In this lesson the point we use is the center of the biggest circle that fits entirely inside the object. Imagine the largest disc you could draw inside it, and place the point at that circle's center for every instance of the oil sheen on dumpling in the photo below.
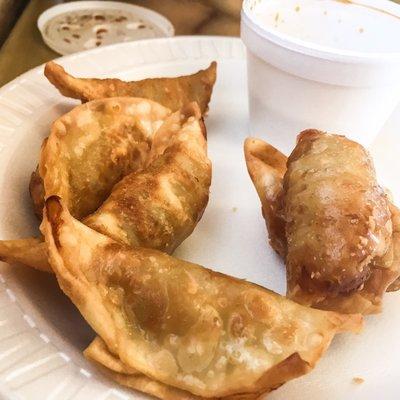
(156, 207)
(159, 206)
(335, 226)
(267, 166)
(173, 93)
(93, 146)
(112, 366)
(181, 324)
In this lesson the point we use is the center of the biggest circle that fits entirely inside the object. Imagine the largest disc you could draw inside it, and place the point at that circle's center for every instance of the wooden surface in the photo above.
(24, 48)
(9, 11)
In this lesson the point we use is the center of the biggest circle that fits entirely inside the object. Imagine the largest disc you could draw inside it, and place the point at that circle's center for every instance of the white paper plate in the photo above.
(41, 333)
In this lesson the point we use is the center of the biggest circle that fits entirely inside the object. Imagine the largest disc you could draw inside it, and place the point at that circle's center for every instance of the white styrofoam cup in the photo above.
(295, 84)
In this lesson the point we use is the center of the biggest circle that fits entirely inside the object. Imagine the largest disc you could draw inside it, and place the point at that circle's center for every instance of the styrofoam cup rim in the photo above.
(319, 51)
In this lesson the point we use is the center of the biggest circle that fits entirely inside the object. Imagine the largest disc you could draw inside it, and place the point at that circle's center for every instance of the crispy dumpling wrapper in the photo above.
(267, 166)
(30, 251)
(36, 190)
(86, 187)
(181, 324)
(93, 146)
(173, 93)
(395, 246)
(159, 206)
(156, 207)
(113, 368)
(120, 373)
(339, 228)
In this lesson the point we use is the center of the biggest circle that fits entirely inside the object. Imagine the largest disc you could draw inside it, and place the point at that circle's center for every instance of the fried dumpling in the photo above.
(181, 324)
(173, 93)
(156, 207)
(88, 151)
(30, 251)
(339, 235)
(395, 246)
(112, 366)
(267, 166)
(93, 146)
(159, 206)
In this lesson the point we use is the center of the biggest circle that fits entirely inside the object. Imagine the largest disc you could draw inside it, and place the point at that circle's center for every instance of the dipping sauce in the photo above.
(338, 24)
(84, 29)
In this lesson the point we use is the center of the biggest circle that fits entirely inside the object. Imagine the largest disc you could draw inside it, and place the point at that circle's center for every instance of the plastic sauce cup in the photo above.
(82, 25)
(324, 64)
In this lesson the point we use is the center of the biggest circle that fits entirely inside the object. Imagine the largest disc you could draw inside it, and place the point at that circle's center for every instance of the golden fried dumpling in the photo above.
(36, 190)
(339, 228)
(28, 251)
(181, 324)
(159, 206)
(173, 93)
(156, 207)
(112, 366)
(267, 166)
(93, 146)
(395, 246)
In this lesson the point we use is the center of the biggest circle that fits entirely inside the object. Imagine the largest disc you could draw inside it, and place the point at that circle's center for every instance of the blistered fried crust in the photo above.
(120, 373)
(113, 368)
(267, 166)
(98, 351)
(396, 247)
(96, 144)
(383, 277)
(156, 207)
(181, 324)
(267, 174)
(36, 191)
(160, 206)
(392, 259)
(30, 251)
(173, 93)
(339, 226)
